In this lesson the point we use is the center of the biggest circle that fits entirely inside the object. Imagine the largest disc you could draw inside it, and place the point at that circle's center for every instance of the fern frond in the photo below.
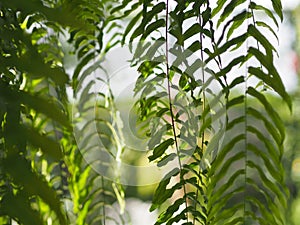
(215, 181)
(95, 182)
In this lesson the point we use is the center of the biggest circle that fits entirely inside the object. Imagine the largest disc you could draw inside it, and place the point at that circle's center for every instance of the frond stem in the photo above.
(203, 104)
(171, 109)
(246, 124)
(257, 43)
(103, 208)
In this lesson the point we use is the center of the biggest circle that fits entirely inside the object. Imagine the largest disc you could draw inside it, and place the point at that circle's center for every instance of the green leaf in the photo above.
(219, 7)
(224, 187)
(268, 124)
(154, 48)
(165, 216)
(191, 31)
(183, 80)
(195, 46)
(278, 8)
(19, 168)
(161, 149)
(273, 153)
(265, 25)
(117, 8)
(268, 12)
(166, 159)
(254, 32)
(225, 168)
(147, 19)
(155, 10)
(218, 213)
(272, 206)
(19, 208)
(153, 27)
(46, 107)
(267, 162)
(156, 137)
(262, 208)
(235, 101)
(235, 122)
(225, 150)
(236, 81)
(39, 70)
(131, 10)
(236, 61)
(268, 184)
(229, 9)
(237, 22)
(41, 105)
(229, 44)
(162, 193)
(274, 82)
(83, 62)
(271, 112)
(47, 145)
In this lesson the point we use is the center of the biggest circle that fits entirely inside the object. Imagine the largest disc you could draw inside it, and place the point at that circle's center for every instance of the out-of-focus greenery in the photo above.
(291, 158)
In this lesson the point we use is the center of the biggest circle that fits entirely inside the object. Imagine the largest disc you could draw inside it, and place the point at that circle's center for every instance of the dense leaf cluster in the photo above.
(205, 72)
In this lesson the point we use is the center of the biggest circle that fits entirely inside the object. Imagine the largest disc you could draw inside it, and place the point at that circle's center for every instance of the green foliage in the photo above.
(28, 119)
(224, 145)
(237, 179)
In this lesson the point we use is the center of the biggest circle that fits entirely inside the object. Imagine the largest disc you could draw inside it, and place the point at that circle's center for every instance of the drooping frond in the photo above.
(96, 182)
(32, 118)
(205, 75)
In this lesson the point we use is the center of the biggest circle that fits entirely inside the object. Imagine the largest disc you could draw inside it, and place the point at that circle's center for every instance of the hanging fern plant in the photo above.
(233, 175)
(206, 71)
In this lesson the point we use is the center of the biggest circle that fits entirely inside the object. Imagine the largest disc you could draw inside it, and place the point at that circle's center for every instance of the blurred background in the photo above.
(289, 65)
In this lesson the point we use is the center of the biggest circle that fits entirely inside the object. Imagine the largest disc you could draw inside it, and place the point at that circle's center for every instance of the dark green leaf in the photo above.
(161, 192)
(268, 12)
(191, 31)
(48, 146)
(268, 124)
(254, 32)
(161, 149)
(163, 217)
(237, 22)
(229, 9)
(229, 44)
(83, 62)
(274, 82)
(19, 168)
(153, 27)
(18, 208)
(236, 61)
(278, 8)
(271, 112)
(225, 150)
(268, 184)
(263, 24)
(165, 160)
(219, 7)
(236, 81)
